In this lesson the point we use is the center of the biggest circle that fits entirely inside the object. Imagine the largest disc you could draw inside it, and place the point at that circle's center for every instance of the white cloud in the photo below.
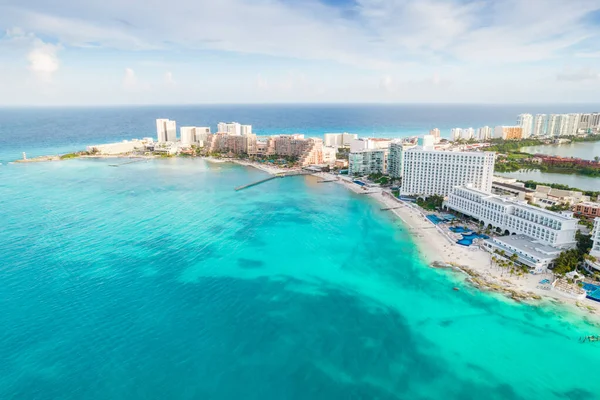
(578, 75)
(43, 60)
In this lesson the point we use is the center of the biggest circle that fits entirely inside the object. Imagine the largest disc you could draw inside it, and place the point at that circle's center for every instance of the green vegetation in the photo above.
(507, 146)
(585, 222)
(568, 260)
(69, 156)
(431, 203)
(559, 207)
(380, 178)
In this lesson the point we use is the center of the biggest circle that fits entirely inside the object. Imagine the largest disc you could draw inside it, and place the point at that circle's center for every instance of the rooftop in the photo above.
(527, 245)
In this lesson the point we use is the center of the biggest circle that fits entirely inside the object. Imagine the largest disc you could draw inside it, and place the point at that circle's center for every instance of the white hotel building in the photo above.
(166, 130)
(536, 235)
(429, 172)
(595, 252)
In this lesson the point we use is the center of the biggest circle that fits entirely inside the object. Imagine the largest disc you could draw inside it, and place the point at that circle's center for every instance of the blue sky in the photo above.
(255, 51)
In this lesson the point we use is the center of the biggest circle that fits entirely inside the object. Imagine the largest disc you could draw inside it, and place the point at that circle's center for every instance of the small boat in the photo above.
(455, 288)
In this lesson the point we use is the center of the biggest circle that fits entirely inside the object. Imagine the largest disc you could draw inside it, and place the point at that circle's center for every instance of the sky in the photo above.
(104, 52)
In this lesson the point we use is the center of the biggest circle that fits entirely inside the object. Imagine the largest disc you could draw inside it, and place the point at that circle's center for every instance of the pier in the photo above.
(281, 175)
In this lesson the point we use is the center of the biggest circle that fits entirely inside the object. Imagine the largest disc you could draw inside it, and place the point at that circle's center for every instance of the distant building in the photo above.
(572, 124)
(368, 161)
(539, 125)
(429, 172)
(339, 139)
(369, 144)
(193, 135)
(467, 134)
(231, 128)
(395, 157)
(166, 130)
(595, 121)
(553, 125)
(435, 132)
(594, 263)
(525, 122)
(508, 132)
(246, 129)
(587, 209)
(484, 133)
(456, 134)
(329, 155)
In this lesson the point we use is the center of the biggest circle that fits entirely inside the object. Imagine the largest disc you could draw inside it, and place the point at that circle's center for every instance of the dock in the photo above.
(281, 175)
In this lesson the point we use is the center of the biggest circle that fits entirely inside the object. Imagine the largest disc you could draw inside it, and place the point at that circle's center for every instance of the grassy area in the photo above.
(69, 156)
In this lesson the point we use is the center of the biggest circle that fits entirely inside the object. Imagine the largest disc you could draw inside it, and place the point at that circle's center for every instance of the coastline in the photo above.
(440, 251)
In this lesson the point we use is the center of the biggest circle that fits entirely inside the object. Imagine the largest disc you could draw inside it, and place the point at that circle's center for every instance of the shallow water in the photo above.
(157, 280)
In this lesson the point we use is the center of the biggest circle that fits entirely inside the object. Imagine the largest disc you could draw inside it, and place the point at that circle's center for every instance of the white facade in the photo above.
(431, 172)
(329, 155)
(572, 124)
(369, 144)
(246, 129)
(339, 139)
(561, 126)
(369, 161)
(530, 252)
(553, 125)
(467, 134)
(193, 135)
(595, 251)
(525, 121)
(539, 124)
(515, 217)
(484, 133)
(455, 134)
(166, 130)
(231, 128)
(395, 157)
(435, 132)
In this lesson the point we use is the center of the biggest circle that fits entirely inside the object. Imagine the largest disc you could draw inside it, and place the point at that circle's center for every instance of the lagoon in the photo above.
(574, 181)
(583, 150)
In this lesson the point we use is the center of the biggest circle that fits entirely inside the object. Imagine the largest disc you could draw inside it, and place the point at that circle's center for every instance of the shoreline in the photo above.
(440, 251)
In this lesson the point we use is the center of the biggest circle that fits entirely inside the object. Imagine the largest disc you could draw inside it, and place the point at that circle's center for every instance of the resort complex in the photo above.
(447, 181)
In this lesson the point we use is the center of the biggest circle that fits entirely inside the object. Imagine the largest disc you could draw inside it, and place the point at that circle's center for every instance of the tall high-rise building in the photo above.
(572, 124)
(246, 129)
(193, 134)
(368, 161)
(432, 172)
(435, 132)
(553, 125)
(396, 154)
(595, 121)
(508, 132)
(456, 134)
(232, 128)
(339, 139)
(484, 133)
(166, 130)
(525, 121)
(584, 122)
(595, 251)
(467, 134)
(539, 124)
(561, 127)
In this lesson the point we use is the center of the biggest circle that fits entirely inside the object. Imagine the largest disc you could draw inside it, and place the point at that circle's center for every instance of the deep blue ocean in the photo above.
(156, 280)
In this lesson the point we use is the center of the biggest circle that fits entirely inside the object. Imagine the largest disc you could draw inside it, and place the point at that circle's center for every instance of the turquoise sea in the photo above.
(156, 280)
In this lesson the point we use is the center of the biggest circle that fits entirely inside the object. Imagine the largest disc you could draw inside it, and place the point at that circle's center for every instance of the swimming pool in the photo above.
(434, 219)
(359, 183)
(592, 291)
(460, 229)
(467, 240)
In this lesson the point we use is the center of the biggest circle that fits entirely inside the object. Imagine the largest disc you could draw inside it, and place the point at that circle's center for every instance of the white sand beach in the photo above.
(436, 246)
